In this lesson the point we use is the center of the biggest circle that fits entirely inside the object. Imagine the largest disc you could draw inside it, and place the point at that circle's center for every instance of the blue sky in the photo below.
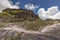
(40, 3)
(46, 9)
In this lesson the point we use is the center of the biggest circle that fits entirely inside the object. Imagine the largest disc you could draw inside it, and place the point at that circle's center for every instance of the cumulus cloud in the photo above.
(30, 6)
(51, 13)
(7, 4)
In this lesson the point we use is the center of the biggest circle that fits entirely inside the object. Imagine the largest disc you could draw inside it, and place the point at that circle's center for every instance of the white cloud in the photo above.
(30, 6)
(51, 13)
(7, 4)
(17, 3)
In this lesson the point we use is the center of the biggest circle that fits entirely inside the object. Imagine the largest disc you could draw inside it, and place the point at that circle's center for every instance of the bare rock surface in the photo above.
(51, 32)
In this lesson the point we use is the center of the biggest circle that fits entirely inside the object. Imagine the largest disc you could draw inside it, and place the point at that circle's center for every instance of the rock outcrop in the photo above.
(21, 13)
